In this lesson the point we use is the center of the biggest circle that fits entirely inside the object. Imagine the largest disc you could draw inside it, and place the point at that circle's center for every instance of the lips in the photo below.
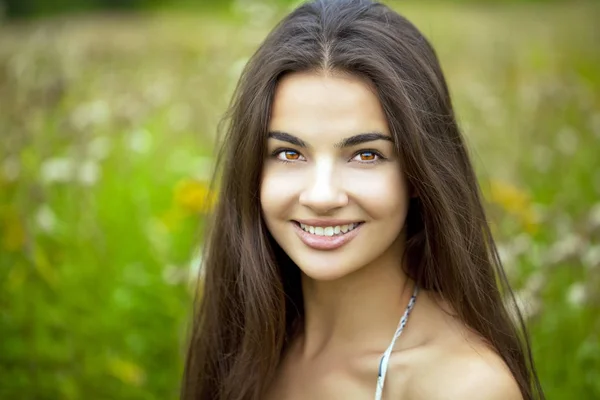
(325, 242)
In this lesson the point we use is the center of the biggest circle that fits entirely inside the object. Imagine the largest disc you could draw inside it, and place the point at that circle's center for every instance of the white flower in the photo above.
(195, 266)
(577, 294)
(591, 257)
(535, 283)
(88, 173)
(99, 148)
(565, 248)
(140, 141)
(58, 169)
(62, 169)
(90, 113)
(527, 303)
(505, 252)
(521, 244)
(46, 219)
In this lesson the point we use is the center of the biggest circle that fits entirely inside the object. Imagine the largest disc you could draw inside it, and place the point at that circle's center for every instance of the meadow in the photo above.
(108, 124)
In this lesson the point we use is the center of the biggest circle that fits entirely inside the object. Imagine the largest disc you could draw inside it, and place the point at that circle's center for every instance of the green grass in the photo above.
(107, 124)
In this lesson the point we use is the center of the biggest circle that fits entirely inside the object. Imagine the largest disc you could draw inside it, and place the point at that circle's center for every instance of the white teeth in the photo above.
(328, 230)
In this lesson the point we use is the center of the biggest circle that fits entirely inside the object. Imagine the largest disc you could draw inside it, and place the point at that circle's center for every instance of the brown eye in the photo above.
(291, 155)
(288, 155)
(367, 156)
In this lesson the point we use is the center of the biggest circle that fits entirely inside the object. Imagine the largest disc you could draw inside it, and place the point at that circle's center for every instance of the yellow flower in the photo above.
(515, 201)
(194, 196)
(126, 371)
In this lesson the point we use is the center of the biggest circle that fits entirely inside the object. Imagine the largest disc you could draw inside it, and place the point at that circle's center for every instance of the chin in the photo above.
(326, 267)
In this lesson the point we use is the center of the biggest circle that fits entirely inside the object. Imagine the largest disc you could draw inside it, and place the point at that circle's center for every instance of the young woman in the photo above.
(350, 257)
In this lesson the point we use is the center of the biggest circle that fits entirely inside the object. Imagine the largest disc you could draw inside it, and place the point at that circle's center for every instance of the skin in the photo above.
(355, 295)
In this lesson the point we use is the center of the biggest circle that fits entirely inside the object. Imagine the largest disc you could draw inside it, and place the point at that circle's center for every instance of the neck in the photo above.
(358, 312)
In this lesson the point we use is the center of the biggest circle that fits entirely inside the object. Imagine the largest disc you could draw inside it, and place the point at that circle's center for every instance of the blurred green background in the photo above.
(108, 114)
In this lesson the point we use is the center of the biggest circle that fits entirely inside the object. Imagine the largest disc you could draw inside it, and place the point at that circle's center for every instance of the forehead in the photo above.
(318, 106)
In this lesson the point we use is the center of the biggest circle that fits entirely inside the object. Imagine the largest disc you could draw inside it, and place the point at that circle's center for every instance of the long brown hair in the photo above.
(251, 295)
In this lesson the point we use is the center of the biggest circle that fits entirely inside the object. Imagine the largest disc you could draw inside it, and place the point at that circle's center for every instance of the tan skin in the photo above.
(355, 295)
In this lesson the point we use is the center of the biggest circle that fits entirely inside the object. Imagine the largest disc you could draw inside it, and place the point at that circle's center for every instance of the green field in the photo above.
(107, 125)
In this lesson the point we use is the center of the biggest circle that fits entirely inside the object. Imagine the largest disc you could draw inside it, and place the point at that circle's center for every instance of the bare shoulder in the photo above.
(457, 364)
(478, 374)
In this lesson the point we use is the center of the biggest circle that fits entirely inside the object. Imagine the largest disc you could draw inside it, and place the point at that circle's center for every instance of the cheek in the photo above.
(382, 195)
(277, 192)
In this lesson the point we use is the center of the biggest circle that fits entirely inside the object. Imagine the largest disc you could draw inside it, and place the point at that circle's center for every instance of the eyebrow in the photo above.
(347, 142)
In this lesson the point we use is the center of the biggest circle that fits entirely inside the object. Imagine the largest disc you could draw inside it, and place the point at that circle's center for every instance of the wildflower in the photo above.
(591, 257)
(568, 246)
(88, 173)
(88, 114)
(536, 282)
(45, 219)
(99, 148)
(63, 170)
(194, 196)
(577, 294)
(527, 303)
(195, 266)
(126, 371)
(59, 169)
(140, 141)
(515, 201)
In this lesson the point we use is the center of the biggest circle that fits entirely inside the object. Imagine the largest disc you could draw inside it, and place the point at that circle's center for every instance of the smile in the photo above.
(326, 237)
(329, 230)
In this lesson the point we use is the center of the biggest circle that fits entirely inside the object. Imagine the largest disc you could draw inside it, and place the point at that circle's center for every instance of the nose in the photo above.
(323, 191)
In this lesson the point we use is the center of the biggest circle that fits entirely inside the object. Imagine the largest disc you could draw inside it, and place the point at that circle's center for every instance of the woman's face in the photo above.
(333, 194)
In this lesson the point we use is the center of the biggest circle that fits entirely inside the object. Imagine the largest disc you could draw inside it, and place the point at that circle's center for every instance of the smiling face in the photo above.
(332, 194)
